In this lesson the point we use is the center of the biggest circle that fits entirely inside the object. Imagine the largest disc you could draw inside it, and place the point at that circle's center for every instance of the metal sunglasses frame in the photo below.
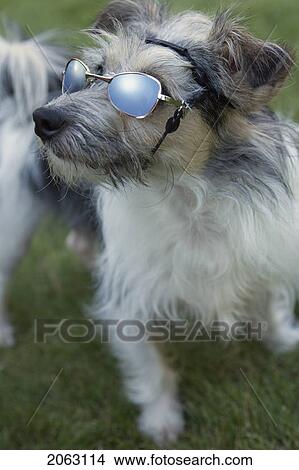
(108, 79)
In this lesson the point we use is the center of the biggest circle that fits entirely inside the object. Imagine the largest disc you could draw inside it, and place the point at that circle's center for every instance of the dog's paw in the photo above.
(162, 420)
(7, 337)
(286, 340)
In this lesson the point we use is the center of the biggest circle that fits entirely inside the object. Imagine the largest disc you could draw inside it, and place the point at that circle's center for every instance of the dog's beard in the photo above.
(73, 174)
(106, 166)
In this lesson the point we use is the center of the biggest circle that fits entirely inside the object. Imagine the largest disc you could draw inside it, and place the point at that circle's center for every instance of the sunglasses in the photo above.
(132, 93)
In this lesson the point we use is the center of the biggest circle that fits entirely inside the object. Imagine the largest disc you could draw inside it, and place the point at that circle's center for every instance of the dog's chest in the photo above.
(166, 248)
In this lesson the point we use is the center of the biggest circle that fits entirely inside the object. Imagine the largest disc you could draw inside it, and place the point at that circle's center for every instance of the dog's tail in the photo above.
(30, 70)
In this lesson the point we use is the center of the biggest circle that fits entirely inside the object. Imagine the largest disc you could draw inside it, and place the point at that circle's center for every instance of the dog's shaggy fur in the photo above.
(30, 70)
(210, 224)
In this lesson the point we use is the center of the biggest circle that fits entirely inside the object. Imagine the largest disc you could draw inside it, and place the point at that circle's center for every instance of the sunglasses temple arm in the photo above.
(169, 100)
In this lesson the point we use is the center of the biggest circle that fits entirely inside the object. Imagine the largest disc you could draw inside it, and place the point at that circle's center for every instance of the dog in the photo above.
(30, 75)
(199, 201)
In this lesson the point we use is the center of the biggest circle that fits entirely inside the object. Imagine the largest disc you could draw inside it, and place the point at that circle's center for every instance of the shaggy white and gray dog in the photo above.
(209, 225)
(30, 75)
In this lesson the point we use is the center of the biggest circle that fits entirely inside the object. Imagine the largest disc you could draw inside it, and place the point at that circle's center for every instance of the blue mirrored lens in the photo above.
(134, 94)
(74, 77)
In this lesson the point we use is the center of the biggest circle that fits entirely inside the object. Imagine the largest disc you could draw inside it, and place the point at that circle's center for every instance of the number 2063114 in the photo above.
(75, 459)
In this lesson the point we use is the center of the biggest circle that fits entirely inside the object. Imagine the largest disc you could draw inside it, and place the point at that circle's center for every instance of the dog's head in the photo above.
(224, 73)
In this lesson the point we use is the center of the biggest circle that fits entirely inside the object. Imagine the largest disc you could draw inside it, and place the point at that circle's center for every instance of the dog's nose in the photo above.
(48, 122)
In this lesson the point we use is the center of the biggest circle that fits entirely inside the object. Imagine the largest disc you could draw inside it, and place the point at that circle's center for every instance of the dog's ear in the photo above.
(126, 12)
(255, 70)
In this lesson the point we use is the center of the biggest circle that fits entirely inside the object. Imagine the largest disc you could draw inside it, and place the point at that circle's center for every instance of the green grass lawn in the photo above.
(86, 407)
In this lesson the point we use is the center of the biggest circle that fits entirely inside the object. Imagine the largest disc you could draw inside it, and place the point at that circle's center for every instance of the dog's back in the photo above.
(30, 76)
(30, 69)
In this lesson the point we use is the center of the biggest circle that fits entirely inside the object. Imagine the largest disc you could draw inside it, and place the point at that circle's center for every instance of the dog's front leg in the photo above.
(6, 329)
(151, 385)
(283, 327)
(20, 213)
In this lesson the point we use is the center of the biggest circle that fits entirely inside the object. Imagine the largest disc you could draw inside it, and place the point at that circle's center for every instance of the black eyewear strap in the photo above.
(174, 122)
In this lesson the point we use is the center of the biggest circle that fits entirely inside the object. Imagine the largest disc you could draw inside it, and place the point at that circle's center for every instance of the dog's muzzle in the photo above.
(48, 122)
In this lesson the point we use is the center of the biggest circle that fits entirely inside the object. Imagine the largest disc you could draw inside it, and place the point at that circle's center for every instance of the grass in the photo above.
(86, 408)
